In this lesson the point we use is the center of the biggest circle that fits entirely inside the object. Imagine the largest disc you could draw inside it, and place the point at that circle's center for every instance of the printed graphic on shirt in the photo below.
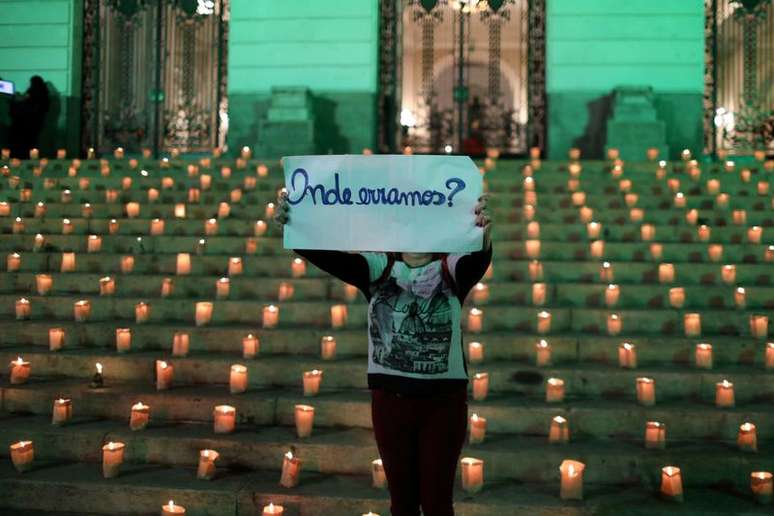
(409, 333)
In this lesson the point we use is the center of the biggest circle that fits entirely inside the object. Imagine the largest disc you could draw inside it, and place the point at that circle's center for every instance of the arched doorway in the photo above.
(154, 74)
(462, 76)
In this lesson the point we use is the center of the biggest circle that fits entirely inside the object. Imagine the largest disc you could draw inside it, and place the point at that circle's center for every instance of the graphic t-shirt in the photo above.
(414, 321)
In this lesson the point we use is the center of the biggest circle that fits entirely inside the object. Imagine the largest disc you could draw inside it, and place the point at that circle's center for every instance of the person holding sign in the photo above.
(417, 371)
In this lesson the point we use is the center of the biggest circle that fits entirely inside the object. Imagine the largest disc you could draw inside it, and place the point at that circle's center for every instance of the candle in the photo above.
(34, 154)
(480, 293)
(759, 326)
(285, 292)
(585, 214)
(338, 316)
(703, 232)
(350, 292)
(238, 379)
(724, 394)
(572, 480)
(328, 347)
(62, 411)
(559, 431)
(614, 324)
(747, 438)
(655, 435)
(203, 313)
(532, 248)
(22, 455)
(606, 272)
(107, 286)
(171, 509)
(312, 380)
(612, 294)
(13, 262)
(378, 478)
(270, 316)
(627, 355)
(206, 469)
(250, 346)
(475, 320)
(164, 373)
(597, 249)
(210, 227)
(123, 340)
(132, 209)
(593, 229)
(533, 230)
(646, 391)
(715, 252)
(631, 200)
(656, 251)
(18, 226)
(304, 418)
(475, 352)
(740, 217)
(224, 419)
(647, 232)
(703, 356)
(480, 386)
(234, 266)
(536, 270)
(23, 309)
(477, 429)
(118, 152)
(578, 198)
(763, 188)
(666, 272)
(671, 484)
(543, 322)
(542, 353)
(692, 324)
(141, 312)
(205, 181)
(539, 294)
(127, 264)
(81, 310)
(728, 273)
(180, 344)
(291, 468)
(139, 416)
(769, 355)
(68, 262)
(56, 337)
(157, 227)
(180, 210)
(554, 390)
(183, 263)
(762, 486)
(754, 234)
(222, 288)
(271, 510)
(721, 201)
(677, 297)
(251, 245)
(112, 458)
(740, 297)
(472, 475)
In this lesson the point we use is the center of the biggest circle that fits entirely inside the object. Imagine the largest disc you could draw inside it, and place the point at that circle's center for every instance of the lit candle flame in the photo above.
(289, 455)
(99, 368)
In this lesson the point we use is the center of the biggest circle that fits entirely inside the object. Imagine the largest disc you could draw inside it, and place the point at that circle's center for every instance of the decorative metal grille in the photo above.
(155, 74)
(461, 80)
(739, 78)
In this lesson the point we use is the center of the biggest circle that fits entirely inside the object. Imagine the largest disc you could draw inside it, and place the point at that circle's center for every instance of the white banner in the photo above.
(383, 203)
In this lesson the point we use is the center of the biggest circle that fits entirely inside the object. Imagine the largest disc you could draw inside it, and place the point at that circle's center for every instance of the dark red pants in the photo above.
(419, 441)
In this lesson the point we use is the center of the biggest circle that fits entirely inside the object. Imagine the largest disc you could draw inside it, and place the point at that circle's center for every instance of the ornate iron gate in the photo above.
(155, 74)
(462, 76)
(739, 92)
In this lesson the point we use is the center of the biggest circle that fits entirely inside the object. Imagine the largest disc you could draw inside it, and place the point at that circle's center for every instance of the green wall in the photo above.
(43, 37)
(329, 47)
(595, 45)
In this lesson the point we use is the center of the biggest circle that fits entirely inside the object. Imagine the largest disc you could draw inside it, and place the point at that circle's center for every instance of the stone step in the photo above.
(350, 452)
(141, 490)
(33, 337)
(582, 380)
(507, 413)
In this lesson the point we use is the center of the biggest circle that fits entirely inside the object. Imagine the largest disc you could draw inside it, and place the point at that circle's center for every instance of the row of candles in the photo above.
(472, 469)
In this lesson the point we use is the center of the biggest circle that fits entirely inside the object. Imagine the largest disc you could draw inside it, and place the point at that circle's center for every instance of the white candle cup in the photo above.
(172, 509)
(627, 355)
(203, 313)
(139, 417)
(656, 251)
(224, 419)
(543, 322)
(238, 379)
(107, 286)
(312, 380)
(222, 288)
(472, 475)
(606, 274)
(655, 435)
(703, 356)
(68, 262)
(536, 270)
(250, 346)
(378, 478)
(539, 291)
(304, 419)
(291, 469)
(532, 248)
(597, 249)
(338, 316)
(270, 316)
(646, 391)
(167, 287)
(747, 438)
(475, 320)
(559, 431)
(56, 339)
(19, 371)
(554, 390)
(666, 273)
(647, 232)
(671, 484)
(123, 340)
(475, 352)
(142, 312)
(692, 324)
(62, 411)
(740, 297)
(480, 293)
(533, 230)
(328, 347)
(235, 266)
(759, 326)
(677, 297)
(180, 344)
(480, 386)
(754, 234)
(22, 455)
(724, 394)
(285, 291)
(127, 264)
(728, 273)
(769, 356)
(164, 375)
(593, 230)
(762, 486)
(112, 458)
(297, 268)
(23, 309)
(571, 480)
(614, 324)
(206, 468)
(542, 353)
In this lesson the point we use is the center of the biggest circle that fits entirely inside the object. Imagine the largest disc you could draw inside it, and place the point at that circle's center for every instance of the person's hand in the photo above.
(483, 220)
(282, 210)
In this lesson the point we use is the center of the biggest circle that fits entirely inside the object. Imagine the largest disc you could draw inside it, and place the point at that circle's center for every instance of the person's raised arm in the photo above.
(348, 267)
(470, 268)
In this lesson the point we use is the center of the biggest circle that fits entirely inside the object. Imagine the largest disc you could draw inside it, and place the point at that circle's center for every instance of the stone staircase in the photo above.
(521, 468)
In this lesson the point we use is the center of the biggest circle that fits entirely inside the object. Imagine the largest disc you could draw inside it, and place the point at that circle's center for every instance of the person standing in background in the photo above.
(28, 113)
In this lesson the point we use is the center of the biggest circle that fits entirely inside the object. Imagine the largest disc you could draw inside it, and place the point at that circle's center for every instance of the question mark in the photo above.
(460, 186)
